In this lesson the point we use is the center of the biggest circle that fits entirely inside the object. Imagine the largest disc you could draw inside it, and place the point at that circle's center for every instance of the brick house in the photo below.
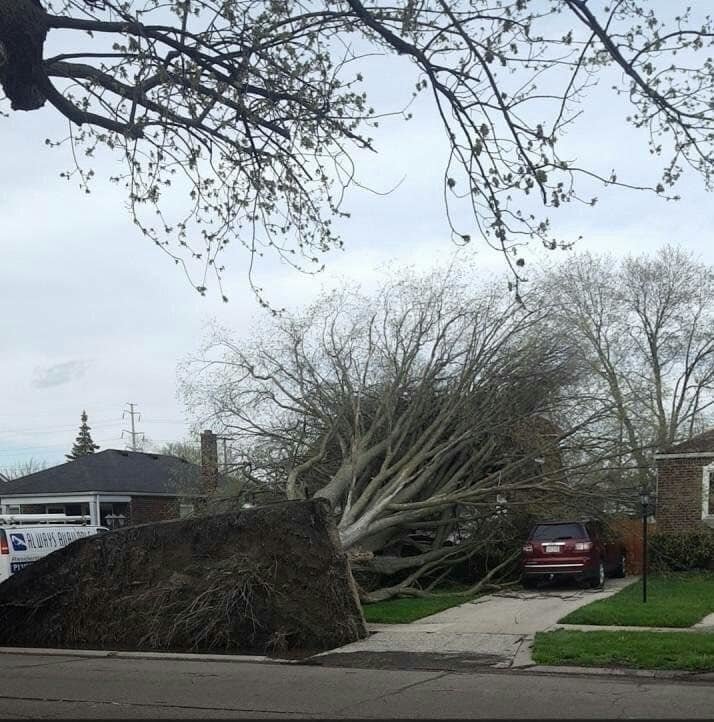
(685, 476)
(133, 486)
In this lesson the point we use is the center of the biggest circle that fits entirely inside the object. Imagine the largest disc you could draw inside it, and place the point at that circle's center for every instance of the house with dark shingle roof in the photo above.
(685, 484)
(131, 486)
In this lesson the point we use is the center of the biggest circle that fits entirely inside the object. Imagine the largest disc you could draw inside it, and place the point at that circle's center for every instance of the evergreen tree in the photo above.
(83, 444)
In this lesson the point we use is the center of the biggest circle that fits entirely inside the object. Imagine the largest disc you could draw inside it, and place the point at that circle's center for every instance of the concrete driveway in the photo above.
(494, 630)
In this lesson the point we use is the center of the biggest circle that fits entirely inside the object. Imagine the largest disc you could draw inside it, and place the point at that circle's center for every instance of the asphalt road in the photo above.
(33, 686)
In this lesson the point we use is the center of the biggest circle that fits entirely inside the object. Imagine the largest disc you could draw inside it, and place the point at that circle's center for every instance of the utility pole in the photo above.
(133, 431)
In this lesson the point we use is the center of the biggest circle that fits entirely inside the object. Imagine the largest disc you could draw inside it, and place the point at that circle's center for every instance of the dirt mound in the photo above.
(269, 580)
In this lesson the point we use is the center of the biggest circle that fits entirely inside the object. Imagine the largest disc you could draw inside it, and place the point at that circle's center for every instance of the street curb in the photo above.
(624, 628)
(676, 674)
(237, 658)
(605, 671)
(114, 654)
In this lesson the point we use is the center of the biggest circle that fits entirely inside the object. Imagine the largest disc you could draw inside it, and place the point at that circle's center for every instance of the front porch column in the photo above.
(94, 510)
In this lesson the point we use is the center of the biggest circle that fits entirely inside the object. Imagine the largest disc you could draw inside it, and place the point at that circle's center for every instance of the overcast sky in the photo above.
(94, 316)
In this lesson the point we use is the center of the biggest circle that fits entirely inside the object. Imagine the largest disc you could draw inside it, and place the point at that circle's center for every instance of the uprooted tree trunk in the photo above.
(417, 414)
(271, 580)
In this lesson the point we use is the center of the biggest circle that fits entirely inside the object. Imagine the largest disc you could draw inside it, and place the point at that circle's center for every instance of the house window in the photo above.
(81, 509)
(113, 514)
(12, 509)
(185, 510)
(54, 509)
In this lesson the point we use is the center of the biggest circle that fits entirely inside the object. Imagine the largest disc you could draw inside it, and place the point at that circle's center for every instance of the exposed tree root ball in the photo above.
(269, 580)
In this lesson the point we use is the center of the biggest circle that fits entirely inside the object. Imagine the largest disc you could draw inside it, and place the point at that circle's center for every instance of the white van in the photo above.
(25, 538)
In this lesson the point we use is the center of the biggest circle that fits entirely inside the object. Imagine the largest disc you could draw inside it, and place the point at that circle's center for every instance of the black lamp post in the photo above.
(644, 502)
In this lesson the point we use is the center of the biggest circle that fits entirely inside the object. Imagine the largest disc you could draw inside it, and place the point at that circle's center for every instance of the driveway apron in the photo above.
(496, 630)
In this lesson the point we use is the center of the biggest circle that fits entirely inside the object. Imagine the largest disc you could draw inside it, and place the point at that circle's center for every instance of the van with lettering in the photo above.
(25, 538)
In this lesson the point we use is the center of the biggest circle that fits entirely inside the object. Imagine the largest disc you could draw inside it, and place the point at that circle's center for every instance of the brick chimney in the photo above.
(209, 462)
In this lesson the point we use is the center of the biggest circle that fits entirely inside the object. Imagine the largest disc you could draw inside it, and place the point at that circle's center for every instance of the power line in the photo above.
(154, 420)
(14, 450)
(133, 431)
(99, 425)
(10, 437)
(58, 429)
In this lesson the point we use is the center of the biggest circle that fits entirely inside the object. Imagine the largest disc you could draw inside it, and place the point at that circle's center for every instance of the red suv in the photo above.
(576, 549)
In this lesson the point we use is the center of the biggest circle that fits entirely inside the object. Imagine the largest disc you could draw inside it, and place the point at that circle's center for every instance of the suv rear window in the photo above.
(553, 532)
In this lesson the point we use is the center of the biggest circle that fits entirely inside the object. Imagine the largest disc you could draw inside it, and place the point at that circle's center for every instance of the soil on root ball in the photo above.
(269, 580)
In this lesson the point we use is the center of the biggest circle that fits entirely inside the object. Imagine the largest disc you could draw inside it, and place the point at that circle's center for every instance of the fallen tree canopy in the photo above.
(422, 412)
(270, 580)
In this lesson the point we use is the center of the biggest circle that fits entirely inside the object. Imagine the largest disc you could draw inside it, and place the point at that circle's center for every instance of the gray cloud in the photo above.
(58, 374)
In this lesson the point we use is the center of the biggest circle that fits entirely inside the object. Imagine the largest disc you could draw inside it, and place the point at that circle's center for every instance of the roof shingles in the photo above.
(700, 444)
(112, 471)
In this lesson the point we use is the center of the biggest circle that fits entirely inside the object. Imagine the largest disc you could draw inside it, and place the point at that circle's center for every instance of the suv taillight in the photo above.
(527, 547)
(583, 546)
(3, 543)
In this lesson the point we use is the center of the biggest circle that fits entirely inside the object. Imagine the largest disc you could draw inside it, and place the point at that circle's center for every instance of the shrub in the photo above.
(682, 552)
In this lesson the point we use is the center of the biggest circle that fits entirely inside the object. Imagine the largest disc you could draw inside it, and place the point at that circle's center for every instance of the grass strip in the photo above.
(408, 609)
(673, 600)
(689, 651)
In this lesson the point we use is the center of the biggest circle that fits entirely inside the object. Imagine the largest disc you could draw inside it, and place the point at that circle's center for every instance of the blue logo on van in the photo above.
(18, 542)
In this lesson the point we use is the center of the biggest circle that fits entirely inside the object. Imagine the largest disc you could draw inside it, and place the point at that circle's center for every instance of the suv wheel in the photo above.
(598, 581)
(529, 582)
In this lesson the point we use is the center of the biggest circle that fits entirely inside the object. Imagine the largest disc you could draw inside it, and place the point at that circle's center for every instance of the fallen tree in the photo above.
(268, 581)
(418, 413)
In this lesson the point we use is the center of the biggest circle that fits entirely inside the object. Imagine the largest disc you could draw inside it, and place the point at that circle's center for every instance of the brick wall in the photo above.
(144, 509)
(679, 493)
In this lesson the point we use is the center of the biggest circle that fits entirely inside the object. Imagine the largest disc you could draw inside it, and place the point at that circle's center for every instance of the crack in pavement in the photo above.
(527, 661)
(399, 690)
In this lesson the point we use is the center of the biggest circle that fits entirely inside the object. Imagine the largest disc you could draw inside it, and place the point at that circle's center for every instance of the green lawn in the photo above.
(673, 600)
(636, 650)
(409, 609)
